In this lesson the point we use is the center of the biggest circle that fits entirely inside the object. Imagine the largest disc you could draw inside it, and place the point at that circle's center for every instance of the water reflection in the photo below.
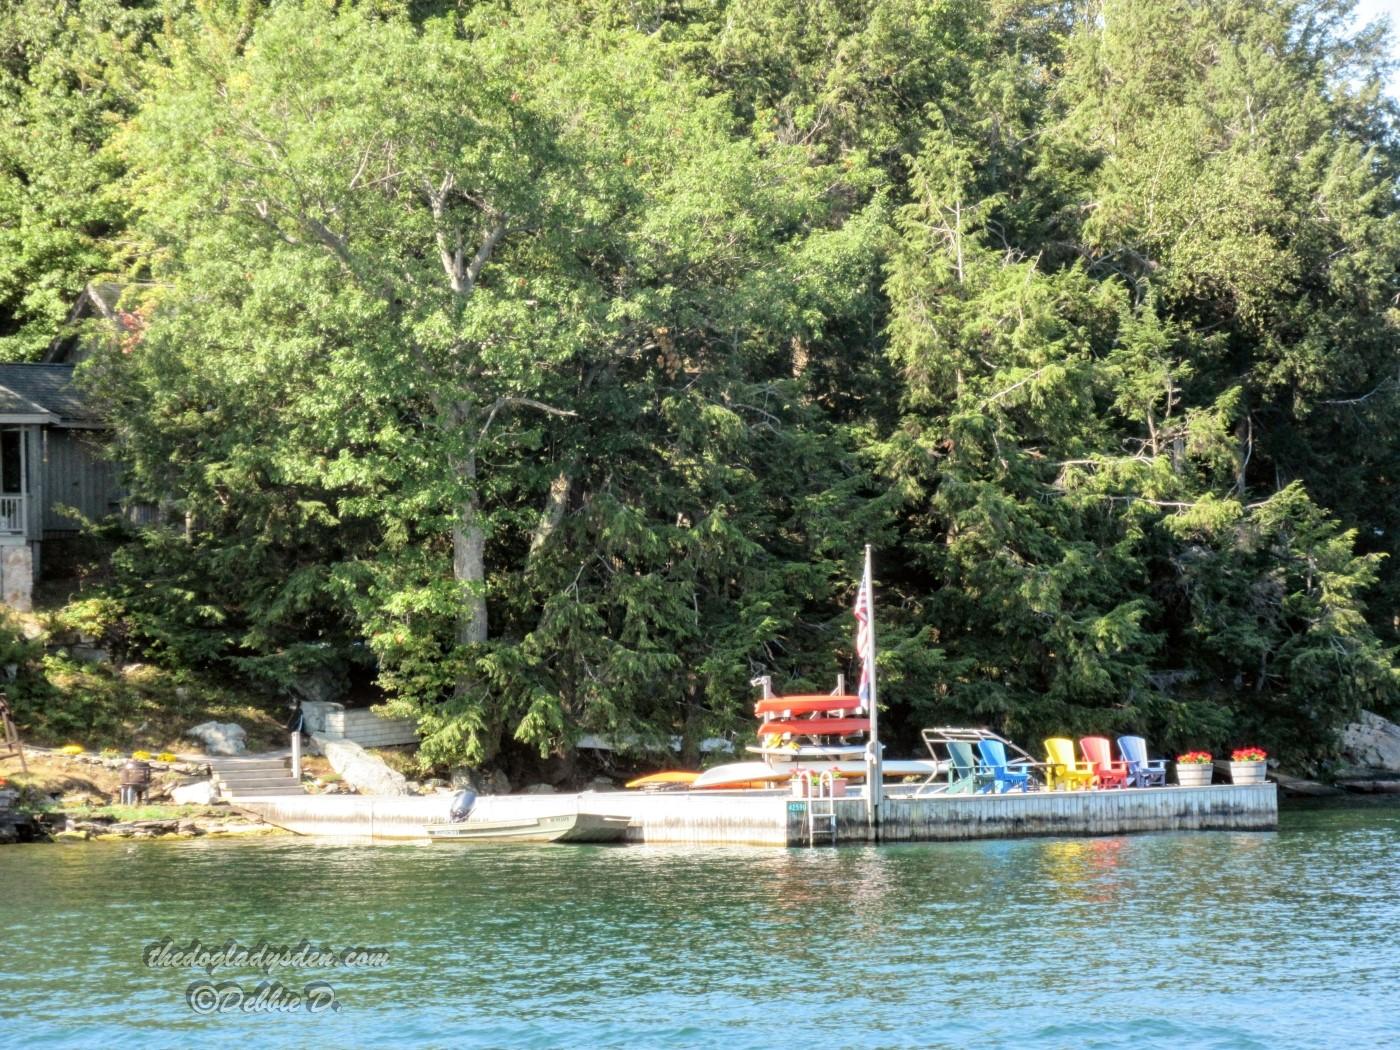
(1066, 942)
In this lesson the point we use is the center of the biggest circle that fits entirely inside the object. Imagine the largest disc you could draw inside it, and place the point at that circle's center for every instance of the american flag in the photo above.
(864, 650)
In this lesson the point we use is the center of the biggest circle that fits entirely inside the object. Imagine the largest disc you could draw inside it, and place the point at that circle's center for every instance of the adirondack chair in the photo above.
(1098, 752)
(1005, 776)
(1063, 770)
(1142, 771)
(965, 775)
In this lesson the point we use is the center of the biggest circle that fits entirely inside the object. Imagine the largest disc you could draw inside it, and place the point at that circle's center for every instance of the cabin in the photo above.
(51, 457)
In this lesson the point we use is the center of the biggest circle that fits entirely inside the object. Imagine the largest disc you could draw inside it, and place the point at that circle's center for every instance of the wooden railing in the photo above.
(12, 509)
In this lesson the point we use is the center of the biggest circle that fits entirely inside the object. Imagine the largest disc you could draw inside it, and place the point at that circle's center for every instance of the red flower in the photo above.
(1248, 754)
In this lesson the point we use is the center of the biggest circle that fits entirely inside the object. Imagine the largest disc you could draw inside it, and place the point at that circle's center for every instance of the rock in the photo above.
(602, 784)
(8, 798)
(540, 789)
(1299, 788)
(190, 827)
(199, 793)
(483, 782)
(1372, 787)
(71, 836)
(220, 738)
(324, 685)
(364, 772)
(1372, 743)
(91, 654)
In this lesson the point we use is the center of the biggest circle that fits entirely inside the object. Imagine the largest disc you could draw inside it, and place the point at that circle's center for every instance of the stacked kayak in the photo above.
(815, 717)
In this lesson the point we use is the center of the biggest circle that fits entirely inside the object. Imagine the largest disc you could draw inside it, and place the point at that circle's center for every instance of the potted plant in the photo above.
(1193, 769)
(1247, 765)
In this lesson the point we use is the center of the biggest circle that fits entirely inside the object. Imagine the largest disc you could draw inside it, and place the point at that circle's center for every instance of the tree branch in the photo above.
(506, 402)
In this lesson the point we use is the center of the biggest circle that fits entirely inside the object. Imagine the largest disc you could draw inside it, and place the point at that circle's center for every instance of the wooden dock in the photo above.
(776, 819)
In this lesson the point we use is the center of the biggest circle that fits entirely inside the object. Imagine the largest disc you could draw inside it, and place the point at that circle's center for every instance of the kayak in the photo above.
(667, 778)
(815, 726)
(805, 705)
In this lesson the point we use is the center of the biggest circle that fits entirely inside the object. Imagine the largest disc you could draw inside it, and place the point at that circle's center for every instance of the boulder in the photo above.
(1372, 743)
(540, 789)
(325, 685)
(1297, 787)
(220, 738)
(482, 781)
(198, 793)
(366, 773)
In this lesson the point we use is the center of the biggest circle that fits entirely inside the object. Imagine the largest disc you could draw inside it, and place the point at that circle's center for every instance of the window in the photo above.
(11, 462)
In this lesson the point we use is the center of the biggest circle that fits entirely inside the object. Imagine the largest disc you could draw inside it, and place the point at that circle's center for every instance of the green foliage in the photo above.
(560, 357)
(67, 74)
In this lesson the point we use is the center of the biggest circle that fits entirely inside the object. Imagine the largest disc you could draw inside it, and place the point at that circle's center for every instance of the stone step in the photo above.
(270, 792)
(233, 776)
(252, 787)
(231, 765)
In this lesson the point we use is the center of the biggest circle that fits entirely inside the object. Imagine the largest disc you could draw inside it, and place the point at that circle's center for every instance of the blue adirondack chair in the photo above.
(1142, 771)
(1004, 777)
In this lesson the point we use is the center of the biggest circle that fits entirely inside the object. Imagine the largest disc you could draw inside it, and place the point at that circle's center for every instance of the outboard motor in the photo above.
(462, 804)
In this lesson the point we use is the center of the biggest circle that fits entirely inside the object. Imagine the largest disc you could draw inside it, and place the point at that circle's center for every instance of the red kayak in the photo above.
(806, 704)
(815, 726)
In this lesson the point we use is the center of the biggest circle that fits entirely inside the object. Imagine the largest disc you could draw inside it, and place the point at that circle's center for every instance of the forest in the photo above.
(550, 363)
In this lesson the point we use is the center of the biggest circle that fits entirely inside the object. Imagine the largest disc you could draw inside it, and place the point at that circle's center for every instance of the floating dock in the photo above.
(772, 818)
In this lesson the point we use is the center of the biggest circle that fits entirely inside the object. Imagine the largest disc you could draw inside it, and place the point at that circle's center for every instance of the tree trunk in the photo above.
(469, 557)
(552, 514)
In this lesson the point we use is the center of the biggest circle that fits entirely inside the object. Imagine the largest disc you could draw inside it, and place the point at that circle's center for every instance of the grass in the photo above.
(125, 814)
(142, 706)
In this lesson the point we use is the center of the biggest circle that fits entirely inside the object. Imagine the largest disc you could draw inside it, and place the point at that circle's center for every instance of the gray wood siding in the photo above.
(77, 476)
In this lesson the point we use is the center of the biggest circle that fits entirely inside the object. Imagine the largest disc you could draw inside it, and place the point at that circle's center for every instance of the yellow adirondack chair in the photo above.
(1063, 772)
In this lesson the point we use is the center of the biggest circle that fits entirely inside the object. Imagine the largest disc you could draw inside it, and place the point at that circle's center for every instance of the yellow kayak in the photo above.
(668, 778)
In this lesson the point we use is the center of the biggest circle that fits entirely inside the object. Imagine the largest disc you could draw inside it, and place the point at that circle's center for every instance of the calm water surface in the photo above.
(1203, 940)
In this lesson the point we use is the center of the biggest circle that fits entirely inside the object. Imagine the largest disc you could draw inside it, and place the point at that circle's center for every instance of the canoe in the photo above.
(791, 753)
(745, 774)
(815, 727)
(667, 778)
(806, 705)
(740, 774)
(552, 827)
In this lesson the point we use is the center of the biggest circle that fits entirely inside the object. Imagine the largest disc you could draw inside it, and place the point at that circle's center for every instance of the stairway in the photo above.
(246, 776)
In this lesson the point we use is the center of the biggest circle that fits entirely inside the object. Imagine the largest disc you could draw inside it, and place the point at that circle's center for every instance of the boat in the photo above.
(550, 827)
(806, 704)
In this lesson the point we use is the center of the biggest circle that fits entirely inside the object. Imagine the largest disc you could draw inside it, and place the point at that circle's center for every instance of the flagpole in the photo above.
(874, 774)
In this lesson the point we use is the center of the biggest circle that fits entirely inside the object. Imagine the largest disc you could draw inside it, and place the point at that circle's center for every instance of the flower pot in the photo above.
(1248, 772)
(838, 788)
(1194, 774)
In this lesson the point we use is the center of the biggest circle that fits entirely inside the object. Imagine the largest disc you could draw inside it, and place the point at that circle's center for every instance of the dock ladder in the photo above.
(821, 809)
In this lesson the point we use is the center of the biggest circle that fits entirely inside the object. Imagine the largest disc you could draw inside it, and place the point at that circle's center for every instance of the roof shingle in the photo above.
(27, 389)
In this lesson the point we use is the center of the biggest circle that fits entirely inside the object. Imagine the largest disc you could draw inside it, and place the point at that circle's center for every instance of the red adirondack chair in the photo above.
(1099, 753)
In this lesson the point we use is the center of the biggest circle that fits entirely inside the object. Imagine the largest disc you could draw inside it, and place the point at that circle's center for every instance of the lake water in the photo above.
(1287, 939)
